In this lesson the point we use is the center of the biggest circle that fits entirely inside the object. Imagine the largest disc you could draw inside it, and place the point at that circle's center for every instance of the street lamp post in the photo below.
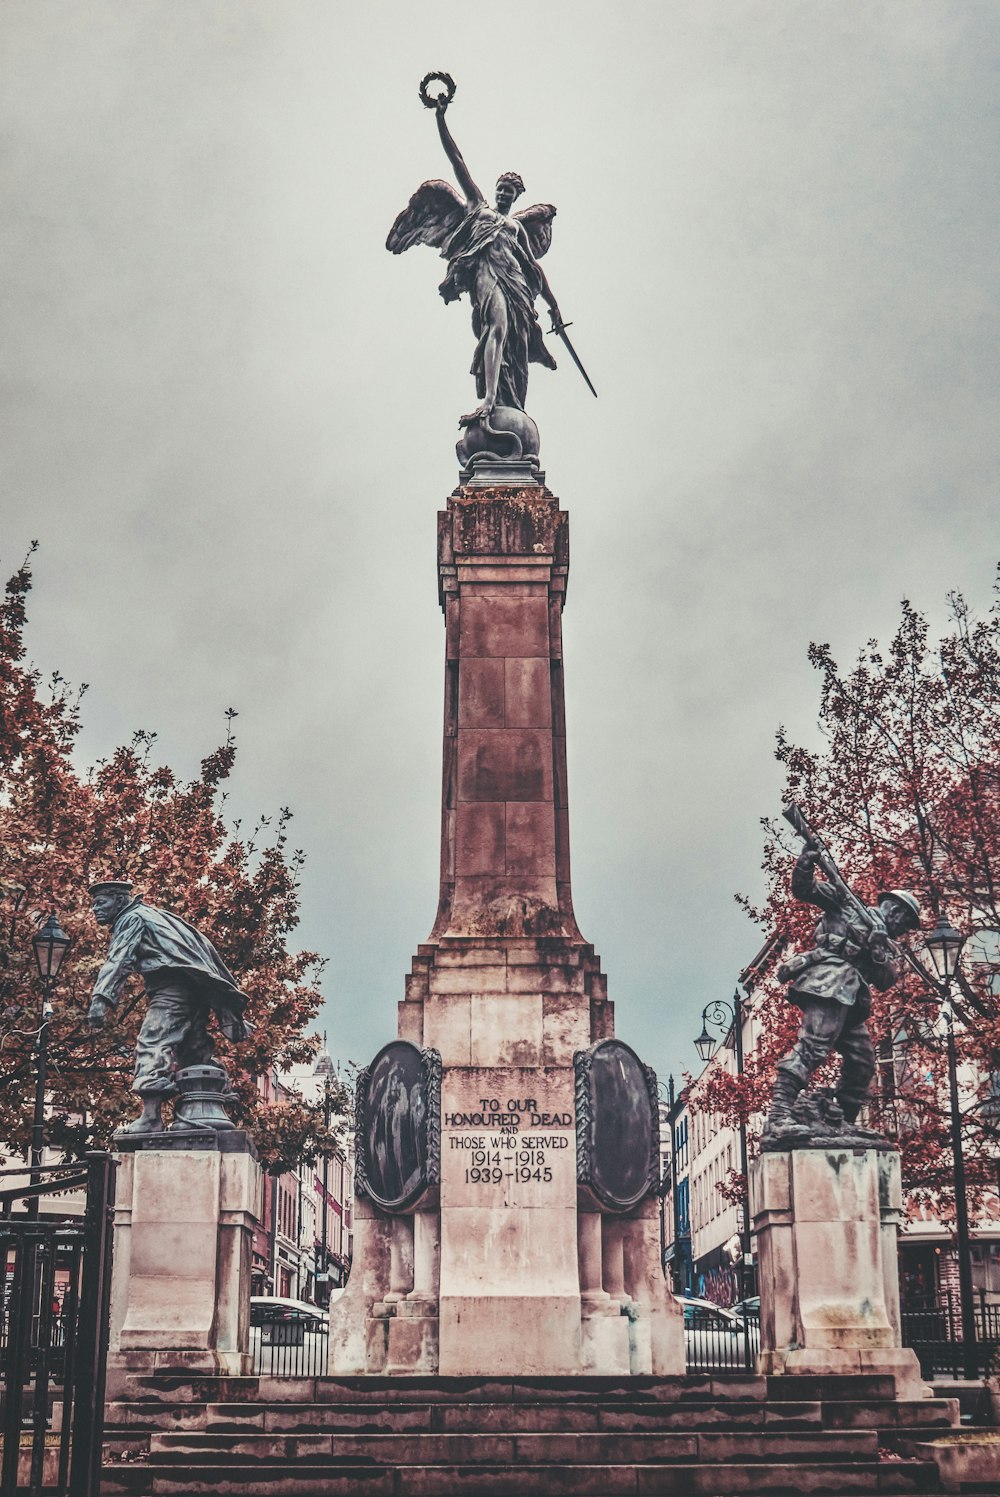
(723, 1016)
(50, 945)
(945, 944)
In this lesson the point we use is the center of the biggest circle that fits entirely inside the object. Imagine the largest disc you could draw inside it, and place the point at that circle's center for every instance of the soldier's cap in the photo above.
(907, 900)
(111, 886)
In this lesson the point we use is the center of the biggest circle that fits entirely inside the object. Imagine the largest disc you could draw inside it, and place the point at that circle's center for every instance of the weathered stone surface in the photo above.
(530, 839)
(507, 991)
(825, 1221)
(480, 842)
(181, 1273)
(481, 694)
(527, 693)
(499, 627)
(510, 764)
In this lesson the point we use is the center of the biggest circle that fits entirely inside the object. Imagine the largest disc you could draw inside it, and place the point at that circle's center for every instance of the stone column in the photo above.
(657, 1326)
(505, 988)
(426, 1263)
(413, 1330)
(825, 1220)
(400, 1260)
(613, 1255)
(595, 1297)
(184, 1220)
(359, 1326)
(605, 1331)
(507, 992)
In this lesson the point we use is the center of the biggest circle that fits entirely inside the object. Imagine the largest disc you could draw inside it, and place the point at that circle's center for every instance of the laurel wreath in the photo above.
(430, 101)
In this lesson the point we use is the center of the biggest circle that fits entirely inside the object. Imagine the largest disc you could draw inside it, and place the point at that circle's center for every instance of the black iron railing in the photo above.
(290, 1347)
(715, 1342)
(933, 1327)
(53, 1353)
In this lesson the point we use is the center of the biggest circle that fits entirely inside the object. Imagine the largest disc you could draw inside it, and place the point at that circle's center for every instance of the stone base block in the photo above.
(184, 1219)
(412, 1344)
(359, 1333)
(123, 1366)
(967, 1460)
(510, 1335)
(897, 1362)
(604, 1345)
(826, 1223)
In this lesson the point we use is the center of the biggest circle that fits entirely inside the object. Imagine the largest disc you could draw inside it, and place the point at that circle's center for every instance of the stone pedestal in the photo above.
(507, 991)
(826, 1223)
(184, 1216)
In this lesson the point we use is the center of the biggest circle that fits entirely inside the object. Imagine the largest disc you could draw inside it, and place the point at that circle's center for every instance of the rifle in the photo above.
(795, 817)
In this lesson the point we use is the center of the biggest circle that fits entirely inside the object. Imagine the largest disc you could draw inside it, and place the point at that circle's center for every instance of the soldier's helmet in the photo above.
(907, 900)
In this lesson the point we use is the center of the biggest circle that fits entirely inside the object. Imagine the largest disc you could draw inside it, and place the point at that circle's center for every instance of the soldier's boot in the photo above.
(151, 1120)
(780, 1122)
(851, 1108)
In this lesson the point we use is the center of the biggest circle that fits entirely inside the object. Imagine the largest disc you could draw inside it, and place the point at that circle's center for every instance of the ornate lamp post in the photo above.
(723, 1017)
(945, 944)
(50, 946)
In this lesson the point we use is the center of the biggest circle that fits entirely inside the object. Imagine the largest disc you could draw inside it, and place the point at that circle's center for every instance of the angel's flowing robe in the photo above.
(486, 252)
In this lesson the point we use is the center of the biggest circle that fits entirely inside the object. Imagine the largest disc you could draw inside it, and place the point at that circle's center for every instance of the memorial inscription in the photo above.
(500, 1148)
(503, 1153)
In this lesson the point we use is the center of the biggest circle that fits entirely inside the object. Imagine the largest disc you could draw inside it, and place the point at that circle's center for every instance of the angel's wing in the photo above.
(538, 223)
(431, 216)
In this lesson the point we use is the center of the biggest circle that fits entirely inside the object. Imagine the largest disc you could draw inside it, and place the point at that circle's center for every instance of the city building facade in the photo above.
(303, 1240)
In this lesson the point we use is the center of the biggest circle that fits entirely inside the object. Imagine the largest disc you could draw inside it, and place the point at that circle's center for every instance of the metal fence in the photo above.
(286, 1347)
(284, 1344)
(933, 1327)
(716, 1342)
(53, 1351)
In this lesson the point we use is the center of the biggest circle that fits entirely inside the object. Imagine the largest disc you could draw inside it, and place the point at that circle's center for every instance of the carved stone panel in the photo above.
(398, 1126)
(617, 1126)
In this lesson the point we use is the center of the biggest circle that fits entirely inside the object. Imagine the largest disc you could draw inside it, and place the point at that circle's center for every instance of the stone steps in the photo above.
(528, 1418)
(174, 1388)
(254, 1479)
(533, 1437)
(566, 1448)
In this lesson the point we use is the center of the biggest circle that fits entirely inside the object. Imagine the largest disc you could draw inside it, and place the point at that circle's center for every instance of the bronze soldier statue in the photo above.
(855, 950)
(185, 978)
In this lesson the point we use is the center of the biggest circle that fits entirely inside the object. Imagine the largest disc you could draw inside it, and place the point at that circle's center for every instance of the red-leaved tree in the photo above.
(905, 789)
(61, 828)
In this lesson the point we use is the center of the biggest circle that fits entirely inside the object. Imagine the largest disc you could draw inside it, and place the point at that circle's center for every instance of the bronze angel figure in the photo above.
(492, 255)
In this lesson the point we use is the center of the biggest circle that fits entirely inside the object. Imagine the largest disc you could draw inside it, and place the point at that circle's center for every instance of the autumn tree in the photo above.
(62, 827)
(905, 788)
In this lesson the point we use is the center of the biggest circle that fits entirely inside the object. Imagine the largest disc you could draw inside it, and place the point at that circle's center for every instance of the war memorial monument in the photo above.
(507, 1325)
(508, 1144)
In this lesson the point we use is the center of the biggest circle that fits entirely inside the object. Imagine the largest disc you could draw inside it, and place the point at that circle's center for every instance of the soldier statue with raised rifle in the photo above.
(855, 951)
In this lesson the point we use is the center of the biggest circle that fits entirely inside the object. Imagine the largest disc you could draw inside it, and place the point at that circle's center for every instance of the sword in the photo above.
(560, 328)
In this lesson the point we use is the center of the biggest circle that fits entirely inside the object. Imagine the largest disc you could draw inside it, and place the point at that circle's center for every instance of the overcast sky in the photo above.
(229, 414)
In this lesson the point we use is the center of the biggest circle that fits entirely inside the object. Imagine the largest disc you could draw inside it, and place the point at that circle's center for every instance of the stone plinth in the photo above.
(826, 1223)
(184, 1217)
(504, 1268)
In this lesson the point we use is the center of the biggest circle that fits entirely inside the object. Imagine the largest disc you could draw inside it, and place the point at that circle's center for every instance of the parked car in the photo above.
(288, 1337)
(716, 1338)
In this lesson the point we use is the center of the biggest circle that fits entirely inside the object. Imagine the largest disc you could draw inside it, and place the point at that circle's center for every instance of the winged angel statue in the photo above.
(493, 256)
